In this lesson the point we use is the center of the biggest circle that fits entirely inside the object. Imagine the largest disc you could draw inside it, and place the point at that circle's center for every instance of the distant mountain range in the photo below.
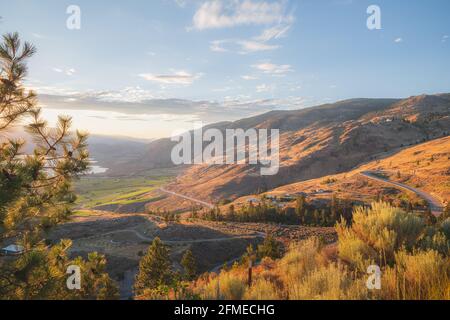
(314, 142)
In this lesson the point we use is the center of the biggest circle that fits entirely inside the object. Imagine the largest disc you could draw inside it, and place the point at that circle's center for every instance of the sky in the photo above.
(144, 68)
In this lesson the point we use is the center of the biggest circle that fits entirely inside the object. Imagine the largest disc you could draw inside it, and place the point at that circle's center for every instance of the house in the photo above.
(13, 250)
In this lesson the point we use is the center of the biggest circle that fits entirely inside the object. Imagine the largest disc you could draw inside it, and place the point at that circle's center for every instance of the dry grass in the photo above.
(411, 267)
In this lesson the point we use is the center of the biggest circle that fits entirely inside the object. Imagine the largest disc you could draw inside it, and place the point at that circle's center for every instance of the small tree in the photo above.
(189, 265)
(155, 268)
(269, 248)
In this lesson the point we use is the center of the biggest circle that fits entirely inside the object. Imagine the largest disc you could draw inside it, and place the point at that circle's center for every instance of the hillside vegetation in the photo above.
(413, 258)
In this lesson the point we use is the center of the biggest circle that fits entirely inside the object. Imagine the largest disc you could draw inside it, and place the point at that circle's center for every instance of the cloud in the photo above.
(254, 46)
(247, 77)
(217, 45)
(236, 14)
(398, 40)
(240, 46)
(444, 38)
(265, 88)
(129, 94)
(68, 71)
(273, 69)
(217, 14)
(135, 101)
(275, 32)
(179, 77)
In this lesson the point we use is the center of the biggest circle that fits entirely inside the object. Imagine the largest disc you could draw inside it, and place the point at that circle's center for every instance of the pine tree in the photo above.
(189, 265)
(36, 192)
(155, 268)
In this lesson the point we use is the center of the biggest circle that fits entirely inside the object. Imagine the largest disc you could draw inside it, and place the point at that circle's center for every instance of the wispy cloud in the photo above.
(265, 88)
(178, 77)
(276, 32)
(273, 69)
(218, 45)
(218, 14)
(444, 38)
(137, 101)
(129, 94)
(254, 44)
(398, 40)
(66, 71)
(247, 77)
(240, 46)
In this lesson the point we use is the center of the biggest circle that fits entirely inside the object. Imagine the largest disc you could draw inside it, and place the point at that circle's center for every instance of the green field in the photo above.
(94, 191)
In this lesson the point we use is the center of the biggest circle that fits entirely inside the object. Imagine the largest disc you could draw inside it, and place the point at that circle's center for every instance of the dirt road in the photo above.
(174, 242)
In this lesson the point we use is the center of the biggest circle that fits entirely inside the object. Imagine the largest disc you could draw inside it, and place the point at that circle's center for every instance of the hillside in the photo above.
(317, 142)
(425, 166)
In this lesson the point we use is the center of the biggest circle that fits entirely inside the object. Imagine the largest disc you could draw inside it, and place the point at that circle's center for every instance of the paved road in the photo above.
(203, 203)
(435, 204)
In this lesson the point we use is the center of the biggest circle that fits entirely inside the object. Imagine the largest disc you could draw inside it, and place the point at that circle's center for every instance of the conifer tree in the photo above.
(189, 265)
(154, 269)
(36, 192)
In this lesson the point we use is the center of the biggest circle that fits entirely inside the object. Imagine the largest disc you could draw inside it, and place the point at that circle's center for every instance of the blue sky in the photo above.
(144, 68)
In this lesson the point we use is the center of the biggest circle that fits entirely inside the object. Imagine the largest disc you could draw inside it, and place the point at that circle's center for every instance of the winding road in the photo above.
(435, 204)
(203, 203)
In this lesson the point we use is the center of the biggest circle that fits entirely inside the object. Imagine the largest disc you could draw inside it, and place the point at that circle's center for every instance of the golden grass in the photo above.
(382, 235)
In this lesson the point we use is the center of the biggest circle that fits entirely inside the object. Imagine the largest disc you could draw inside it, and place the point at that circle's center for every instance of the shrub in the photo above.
(376, 233)
(262, 289)
(423, 275)
(229, 285)
(332, 282)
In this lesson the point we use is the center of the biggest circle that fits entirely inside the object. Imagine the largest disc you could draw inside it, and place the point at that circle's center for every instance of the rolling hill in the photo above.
(314, 142)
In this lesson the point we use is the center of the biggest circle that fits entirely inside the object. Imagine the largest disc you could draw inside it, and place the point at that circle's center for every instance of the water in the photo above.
(94, 169)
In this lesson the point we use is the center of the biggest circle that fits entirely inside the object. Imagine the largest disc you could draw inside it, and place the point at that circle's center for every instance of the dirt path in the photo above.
(174, 242)
(435, 204)
(203, 203)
